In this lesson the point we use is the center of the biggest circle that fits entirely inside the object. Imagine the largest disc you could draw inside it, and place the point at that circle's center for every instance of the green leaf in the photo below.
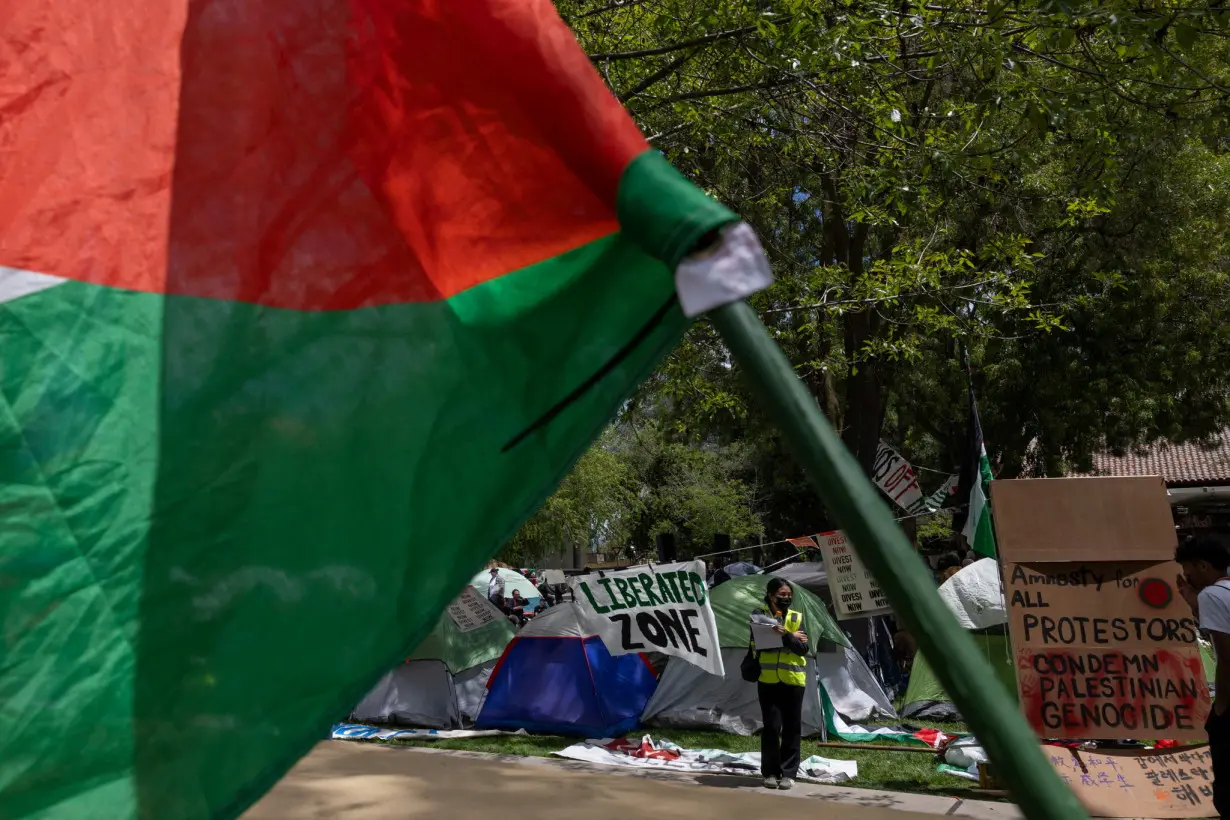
(1185, 35)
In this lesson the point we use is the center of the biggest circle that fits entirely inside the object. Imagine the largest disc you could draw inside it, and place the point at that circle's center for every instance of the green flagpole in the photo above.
(865, 518)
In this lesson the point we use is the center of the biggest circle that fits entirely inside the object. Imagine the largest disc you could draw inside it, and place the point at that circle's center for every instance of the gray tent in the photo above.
(443, 683)
(689, 697)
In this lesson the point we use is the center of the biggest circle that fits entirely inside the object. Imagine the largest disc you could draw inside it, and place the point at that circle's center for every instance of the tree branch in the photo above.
(613, 56)
(660, 74)
(723, 92)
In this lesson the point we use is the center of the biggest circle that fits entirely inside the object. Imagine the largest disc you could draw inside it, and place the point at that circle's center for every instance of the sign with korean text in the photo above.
(657, 608)
(1116, 783)
(469, 610)
(1103, 648)
(856, 594)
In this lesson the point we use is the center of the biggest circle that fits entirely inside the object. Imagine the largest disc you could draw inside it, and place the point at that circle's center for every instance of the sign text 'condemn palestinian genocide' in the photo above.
(1104, 646)
(658, 608)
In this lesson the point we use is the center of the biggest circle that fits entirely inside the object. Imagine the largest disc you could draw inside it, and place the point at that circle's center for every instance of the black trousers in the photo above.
(1218, 727)
(781, 708)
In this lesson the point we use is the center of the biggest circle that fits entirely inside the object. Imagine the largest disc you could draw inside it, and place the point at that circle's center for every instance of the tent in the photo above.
(736, 570)
(556, 678)
(925, 698)
(811, 575)
(975, 596)
(443, 682)
(689, 697)
(513, 580)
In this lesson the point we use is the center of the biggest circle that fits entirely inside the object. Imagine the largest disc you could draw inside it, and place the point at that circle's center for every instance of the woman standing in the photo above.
(783, 680)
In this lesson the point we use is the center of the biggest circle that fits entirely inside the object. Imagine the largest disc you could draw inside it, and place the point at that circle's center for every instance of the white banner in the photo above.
(894, 475)
(662, 754)
(469, 610)
(855, 592)
(896, 478)
(659, 608)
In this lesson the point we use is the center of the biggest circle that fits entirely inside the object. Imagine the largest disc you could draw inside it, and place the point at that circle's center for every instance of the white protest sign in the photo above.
(855, 593)
(894, 475)
(469, 610)
(659, 608)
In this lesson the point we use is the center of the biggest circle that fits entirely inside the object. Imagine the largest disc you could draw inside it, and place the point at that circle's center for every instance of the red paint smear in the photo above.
(1172, 665)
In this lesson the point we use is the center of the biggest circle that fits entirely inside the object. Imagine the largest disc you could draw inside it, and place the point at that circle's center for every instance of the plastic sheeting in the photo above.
(662, 754)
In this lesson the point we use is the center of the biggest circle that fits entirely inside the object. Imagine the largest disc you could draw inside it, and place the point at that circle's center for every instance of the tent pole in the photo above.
(856, 505)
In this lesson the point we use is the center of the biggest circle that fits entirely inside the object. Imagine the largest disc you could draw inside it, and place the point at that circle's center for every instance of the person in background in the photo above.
(546, 592)
(1206, 589)
(516, 608)
(780, 689)
(904, 650)
(495, 588)
(950, 565)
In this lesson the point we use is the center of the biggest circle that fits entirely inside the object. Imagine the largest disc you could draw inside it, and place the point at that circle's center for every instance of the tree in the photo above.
(928, 178)
(690, 491)
(634, 484)
(597, 503)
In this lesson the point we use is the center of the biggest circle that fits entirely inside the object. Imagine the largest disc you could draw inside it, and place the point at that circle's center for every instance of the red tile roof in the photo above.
(1179, 464)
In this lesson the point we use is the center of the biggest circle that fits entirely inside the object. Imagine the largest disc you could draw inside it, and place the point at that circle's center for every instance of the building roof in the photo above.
(1190, 464)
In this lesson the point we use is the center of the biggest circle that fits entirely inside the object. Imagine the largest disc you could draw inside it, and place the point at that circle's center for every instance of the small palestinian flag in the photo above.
(305, 306)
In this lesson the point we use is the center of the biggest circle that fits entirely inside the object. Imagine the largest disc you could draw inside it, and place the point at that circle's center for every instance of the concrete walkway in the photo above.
(342, 780)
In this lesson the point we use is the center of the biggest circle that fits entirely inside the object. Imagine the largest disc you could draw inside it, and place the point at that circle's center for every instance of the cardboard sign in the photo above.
(1083, 519)
(1130, 784)
(855, 592)
(1103, 648)
(658, 608)
(470, 611)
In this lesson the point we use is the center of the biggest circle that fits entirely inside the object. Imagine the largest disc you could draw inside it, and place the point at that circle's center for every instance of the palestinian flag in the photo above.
(975, 485)
(306, 305)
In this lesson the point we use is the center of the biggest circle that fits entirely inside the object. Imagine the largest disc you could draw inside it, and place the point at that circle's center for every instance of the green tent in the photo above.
(734, 600)
(461, 649)
(444, 681)
(926, 699)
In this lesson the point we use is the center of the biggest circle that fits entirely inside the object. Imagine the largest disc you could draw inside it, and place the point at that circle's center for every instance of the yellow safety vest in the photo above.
(782, 665)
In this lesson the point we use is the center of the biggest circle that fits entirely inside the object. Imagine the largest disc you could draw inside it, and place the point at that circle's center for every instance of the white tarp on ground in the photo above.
(662, 754)
(356, 731)
(423, 693)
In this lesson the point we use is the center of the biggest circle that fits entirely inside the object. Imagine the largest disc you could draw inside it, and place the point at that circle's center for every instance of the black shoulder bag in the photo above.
(750, 667)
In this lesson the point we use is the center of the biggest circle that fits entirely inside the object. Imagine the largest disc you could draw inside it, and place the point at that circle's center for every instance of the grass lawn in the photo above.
(893, 771)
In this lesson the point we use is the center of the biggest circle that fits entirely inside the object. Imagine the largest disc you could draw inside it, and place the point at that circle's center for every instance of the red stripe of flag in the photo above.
(366, 152)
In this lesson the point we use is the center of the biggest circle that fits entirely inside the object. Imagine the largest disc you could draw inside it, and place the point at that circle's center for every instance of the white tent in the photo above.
(443, 683)
(689, 697)
(513, 580)
(975, 595)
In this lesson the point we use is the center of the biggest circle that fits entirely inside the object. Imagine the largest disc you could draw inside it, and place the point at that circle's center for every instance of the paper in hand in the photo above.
(762, 632)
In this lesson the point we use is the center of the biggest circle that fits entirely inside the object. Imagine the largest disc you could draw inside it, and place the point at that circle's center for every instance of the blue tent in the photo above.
(554, 679)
